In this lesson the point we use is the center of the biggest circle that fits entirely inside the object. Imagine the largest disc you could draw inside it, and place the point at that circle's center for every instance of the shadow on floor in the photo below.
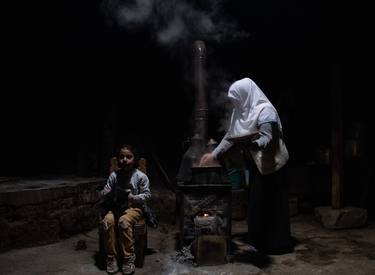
(101, 257)
(242, 252)
(100, 260)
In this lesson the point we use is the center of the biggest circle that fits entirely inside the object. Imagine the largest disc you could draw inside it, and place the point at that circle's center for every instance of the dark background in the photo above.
(75, 84)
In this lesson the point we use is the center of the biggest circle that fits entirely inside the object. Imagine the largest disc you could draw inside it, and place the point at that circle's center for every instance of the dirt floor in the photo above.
(318, 251)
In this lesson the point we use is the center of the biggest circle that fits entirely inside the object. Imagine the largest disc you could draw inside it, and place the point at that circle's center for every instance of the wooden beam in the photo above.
(337, 140)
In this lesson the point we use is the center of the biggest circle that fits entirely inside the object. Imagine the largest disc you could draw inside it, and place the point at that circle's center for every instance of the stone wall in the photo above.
(35, 212)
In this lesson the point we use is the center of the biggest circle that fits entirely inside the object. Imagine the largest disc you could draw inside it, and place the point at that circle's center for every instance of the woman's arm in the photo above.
(223, 146)
(265, 135)
(211, 158)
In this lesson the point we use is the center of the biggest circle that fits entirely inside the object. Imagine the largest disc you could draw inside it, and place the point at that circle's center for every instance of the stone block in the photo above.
(346, 217)
(210, 250)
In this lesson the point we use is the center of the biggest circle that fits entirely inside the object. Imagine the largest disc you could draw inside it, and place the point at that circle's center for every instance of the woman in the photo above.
(256, 128)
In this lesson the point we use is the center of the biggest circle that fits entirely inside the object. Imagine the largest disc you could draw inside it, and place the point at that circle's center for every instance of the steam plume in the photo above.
(172, 22)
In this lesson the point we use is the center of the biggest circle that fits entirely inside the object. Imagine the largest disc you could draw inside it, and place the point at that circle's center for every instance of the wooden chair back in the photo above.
(142, 165)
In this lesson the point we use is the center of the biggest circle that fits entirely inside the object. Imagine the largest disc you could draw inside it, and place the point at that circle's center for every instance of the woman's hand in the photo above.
(207, 160)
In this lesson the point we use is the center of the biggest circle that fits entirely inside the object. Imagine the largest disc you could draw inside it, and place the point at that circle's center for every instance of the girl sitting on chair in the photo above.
(126, 192)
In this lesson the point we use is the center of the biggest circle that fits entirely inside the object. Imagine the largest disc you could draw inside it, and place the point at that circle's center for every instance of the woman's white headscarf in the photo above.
(251, 108)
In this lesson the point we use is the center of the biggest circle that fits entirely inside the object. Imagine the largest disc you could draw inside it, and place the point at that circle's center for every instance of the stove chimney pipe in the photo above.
(200, 108)
(198, 141)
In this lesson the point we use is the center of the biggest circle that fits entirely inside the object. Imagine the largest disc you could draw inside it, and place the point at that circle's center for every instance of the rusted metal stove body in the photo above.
(203, 193)
(205, 204)
(205, 215)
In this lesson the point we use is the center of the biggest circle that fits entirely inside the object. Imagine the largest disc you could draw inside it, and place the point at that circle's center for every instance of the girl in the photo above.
(127, 190)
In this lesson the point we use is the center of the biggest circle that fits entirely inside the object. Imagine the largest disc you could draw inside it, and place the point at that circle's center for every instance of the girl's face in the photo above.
(126, 159)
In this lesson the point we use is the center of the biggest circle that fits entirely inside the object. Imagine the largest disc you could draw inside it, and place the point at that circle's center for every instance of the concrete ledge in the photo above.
(346, 217)
(37, 191)
(34, 212)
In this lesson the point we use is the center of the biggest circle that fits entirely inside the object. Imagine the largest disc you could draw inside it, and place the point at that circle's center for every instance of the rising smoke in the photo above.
(175, 22)
(218, 85)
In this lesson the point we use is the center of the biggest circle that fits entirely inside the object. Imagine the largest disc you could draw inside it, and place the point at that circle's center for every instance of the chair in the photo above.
(140, 228)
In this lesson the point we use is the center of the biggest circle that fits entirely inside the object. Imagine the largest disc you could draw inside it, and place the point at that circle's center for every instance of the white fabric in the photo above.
(272, 158)
(252, 109)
